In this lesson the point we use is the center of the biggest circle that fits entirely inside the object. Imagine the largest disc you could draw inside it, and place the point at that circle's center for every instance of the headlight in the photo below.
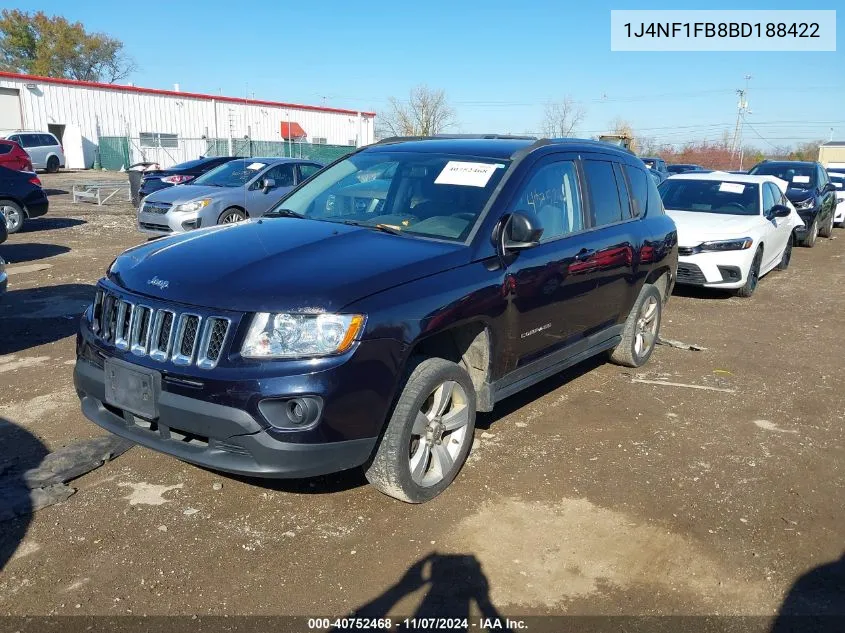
(741, 244)
(194, 205)
(803, 205)
(301, 335)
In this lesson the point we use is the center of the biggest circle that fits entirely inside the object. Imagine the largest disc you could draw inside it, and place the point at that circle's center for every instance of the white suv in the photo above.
(43, 148)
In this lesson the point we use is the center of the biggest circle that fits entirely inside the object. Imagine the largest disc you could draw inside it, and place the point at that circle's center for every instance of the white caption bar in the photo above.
(723, 30)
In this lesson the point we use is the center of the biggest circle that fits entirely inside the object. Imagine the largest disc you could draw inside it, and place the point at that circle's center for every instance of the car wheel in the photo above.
(14, 215)
(753, 276)
(641, 330)
(810, 239)
(429, 435)
(827, 231)
(52, 165)
(230, 216)
(783, 264)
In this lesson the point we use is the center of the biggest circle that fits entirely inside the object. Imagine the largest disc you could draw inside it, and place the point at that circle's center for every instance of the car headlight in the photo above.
(194, 205)
(283, 335)
(803, 205)
(740, 244)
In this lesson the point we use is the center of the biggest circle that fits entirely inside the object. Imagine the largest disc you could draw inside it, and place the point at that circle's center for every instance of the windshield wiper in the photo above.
(283, 213)
(378, 227)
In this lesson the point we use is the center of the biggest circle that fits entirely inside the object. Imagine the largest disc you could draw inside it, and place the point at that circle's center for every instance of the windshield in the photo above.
(232, 174)
(710, 196)
(800, 176)
(434, 195)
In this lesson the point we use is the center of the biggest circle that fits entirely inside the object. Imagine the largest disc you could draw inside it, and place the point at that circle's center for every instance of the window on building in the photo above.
(319, 140)
(159, 139)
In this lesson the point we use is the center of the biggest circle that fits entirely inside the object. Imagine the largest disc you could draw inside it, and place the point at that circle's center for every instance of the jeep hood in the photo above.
(280, 264)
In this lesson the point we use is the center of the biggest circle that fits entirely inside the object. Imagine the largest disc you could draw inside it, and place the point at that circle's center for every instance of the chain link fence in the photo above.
(119, 152)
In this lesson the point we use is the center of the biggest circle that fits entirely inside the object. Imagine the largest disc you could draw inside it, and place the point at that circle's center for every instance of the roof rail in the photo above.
(400, 139)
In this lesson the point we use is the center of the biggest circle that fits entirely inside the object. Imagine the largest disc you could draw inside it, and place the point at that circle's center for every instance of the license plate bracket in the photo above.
(132, 388)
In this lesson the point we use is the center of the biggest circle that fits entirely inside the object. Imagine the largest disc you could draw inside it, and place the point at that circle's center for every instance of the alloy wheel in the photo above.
(13, 217)
(438, 434)
(646, 327)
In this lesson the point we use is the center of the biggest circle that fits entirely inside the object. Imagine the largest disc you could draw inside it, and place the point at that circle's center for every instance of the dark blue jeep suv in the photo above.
(378, 307)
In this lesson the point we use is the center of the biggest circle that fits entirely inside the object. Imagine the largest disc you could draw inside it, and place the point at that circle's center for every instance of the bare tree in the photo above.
(426, 112)
(621, 127)
(561, 118)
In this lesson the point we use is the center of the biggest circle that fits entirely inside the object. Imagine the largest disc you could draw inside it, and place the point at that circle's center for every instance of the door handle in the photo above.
(584, 254)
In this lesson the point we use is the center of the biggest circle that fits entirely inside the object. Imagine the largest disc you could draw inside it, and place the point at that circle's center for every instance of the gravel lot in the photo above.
(591, 493)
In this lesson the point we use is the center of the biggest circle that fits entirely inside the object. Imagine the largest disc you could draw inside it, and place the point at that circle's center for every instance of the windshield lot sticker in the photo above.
(801, 179)
(731, 187)
(256, 166)
(467, 174)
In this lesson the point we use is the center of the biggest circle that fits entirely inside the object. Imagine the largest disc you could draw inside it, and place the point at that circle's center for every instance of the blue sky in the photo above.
(498, 61)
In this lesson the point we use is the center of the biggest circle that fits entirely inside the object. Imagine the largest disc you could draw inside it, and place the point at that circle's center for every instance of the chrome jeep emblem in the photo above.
(160, 283)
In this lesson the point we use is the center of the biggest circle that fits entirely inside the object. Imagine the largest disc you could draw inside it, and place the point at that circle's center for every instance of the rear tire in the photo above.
(641, 330)
(827, 231)
(52, 165)
(783, 264)
(429, 435)
(753, 276)
(13, 215)
(231, 215)
(809, 240)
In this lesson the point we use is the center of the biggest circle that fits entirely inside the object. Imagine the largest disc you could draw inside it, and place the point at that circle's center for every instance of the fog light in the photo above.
(192, 224)
(292, 413)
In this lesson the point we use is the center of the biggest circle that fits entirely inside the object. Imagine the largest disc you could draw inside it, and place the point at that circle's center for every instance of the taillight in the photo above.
(34, 181)
(177, 179)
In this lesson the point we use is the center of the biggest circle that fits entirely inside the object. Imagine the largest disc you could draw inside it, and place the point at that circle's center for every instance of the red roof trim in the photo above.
(173, 93)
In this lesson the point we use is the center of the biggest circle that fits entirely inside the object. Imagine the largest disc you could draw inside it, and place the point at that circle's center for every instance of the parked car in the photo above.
(810, 190)
(157, 179)
(43, 148)
(234, 191)
(12, 156)
(682, 168)
(658, 165)
(657, 176)
(315, 340)
(838, 180)
(732, 229)
(21, 198)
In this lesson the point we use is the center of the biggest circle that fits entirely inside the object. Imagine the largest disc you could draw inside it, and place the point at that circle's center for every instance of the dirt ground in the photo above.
(591, 493)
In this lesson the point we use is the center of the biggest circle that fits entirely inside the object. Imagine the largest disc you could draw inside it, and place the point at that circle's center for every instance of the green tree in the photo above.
(50, 46)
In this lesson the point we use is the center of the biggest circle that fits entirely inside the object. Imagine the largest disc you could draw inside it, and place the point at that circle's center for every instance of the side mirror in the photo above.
(268, 184)
(829, 187)
(780, 211)
(522, 231)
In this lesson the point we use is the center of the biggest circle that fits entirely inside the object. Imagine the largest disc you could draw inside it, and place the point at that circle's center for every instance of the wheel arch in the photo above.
(229, 207)
(663, 279)
(4, 197)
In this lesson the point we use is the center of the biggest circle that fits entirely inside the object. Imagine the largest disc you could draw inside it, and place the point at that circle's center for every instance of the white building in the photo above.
(167, 126)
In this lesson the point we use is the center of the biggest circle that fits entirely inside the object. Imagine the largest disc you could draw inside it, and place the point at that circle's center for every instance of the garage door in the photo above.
(10, 110)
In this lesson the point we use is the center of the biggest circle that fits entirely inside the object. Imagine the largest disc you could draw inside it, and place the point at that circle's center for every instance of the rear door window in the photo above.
(306, 171)
(29, 140)
(47, 140)
(605, 207)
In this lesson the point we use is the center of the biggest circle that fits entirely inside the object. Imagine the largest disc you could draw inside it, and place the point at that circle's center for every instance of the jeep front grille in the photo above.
(162, 334)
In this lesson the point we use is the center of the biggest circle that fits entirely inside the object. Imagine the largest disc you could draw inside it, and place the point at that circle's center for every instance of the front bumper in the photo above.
(168, 223)
(727, 269)
(214, 435)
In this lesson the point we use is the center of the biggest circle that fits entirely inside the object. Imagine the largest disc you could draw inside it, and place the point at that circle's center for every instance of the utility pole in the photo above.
(741, 110)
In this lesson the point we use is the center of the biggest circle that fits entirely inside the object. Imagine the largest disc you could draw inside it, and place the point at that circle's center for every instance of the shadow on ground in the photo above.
(49, 224)
(19, 253)
(34, 316)
(55, 192)
(816, 601)
(454, 584)
(699, 292)
(19, 451)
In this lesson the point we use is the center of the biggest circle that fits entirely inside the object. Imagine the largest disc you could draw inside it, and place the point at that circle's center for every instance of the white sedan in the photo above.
(732, 228)
(838, 180)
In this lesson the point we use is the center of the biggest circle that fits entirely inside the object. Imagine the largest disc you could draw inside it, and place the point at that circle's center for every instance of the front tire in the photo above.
(13, 214)
(809, 240)
(231, 216)
(641, 330)
(783, 264)
(753, 276)
(827, 231)
(429, 435)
